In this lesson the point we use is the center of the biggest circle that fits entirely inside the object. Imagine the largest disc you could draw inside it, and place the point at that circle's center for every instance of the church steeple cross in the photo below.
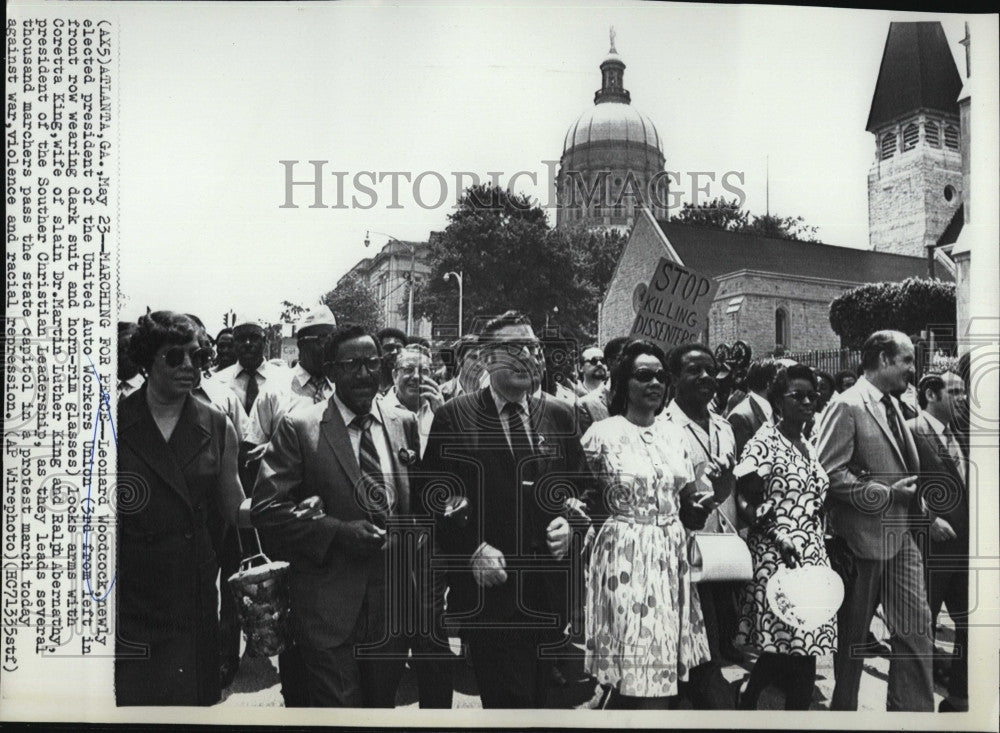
(967, 42)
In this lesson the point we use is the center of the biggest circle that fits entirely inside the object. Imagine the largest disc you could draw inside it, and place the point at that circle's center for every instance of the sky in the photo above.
(213, 96)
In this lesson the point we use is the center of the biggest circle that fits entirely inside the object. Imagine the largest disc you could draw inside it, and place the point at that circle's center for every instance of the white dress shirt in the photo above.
(294, 388)
(128, 386)
(379, 438)
(225, 399)
(236, 378)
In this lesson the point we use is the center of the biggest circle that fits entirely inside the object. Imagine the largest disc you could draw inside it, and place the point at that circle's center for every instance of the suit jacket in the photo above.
(180, 494)
(311, 454)
(941, 485)
(746, 418)
(510, 507)
(858, 453)
(593, 407)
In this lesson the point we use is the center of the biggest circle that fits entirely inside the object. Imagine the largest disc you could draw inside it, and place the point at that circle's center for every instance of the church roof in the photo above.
(716, 252)
(918, 72)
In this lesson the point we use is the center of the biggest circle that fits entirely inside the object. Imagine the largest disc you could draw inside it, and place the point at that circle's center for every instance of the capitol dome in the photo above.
(612, 121)
(614, 150)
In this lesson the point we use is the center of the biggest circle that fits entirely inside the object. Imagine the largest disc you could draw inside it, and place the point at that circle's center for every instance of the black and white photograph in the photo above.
(561, 365)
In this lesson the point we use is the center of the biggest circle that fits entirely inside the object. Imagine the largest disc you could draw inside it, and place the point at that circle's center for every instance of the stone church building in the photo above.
(776, 293)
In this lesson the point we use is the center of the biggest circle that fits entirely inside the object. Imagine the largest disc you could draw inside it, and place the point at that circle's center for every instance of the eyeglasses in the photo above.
(517, 347)
(803, 396)
(648, 375)
(174, 356)
(594, 360)
(371, 363)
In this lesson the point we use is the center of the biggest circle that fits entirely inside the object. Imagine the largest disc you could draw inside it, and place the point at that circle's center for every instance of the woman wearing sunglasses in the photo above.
(781, 489)
(643, 620)
(177, 489)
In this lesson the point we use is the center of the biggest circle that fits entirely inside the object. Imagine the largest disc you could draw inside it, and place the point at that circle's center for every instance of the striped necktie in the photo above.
(318, 384)
(372, 490)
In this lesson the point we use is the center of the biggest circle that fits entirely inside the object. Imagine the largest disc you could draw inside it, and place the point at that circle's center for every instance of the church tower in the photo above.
(915, 183)
(612, 161)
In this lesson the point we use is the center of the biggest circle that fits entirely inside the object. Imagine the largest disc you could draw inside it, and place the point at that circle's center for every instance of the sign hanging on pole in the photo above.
(673, 309)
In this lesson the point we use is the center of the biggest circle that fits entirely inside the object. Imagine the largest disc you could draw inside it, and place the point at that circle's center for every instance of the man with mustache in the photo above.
(713, 452)
(510, 459)
(355, 457)
(594, 405)
(593, 369)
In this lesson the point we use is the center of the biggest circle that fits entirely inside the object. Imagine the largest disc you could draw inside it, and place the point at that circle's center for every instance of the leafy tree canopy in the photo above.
(729, 215)
(354, 302)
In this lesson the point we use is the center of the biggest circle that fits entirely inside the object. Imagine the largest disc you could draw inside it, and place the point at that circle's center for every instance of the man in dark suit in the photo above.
(872, 462)
(347, 572)
(753, 411)
(943, 490)
(514, 459)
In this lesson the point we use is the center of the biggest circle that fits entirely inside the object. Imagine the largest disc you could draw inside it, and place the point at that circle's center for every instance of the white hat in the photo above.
(320, 315)
(805, 597)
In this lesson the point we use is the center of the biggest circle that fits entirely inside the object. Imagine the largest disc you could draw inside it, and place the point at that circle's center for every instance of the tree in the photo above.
(911, 306)
(352, 301)
(291, 311)
(510, 258)
(730, 216)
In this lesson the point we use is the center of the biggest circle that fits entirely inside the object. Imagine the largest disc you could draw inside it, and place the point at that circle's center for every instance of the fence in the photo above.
(831, 360)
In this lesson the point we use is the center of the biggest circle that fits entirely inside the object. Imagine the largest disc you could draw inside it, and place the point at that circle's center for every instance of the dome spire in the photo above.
(612, 77)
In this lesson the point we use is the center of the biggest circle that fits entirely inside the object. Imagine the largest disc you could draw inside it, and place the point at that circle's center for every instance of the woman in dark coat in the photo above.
(177, 488)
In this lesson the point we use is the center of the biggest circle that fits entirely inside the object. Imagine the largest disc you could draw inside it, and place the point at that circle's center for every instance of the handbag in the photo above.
(719, 556)
(262, 602)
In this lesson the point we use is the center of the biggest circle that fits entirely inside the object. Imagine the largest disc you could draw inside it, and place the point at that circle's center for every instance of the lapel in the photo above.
(877, 411)
(758, 412)
(334, 431)
(396, 435)
(167, 460)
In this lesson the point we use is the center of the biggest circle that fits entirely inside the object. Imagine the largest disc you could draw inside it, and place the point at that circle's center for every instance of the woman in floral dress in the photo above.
(643, 620)
(783, 484)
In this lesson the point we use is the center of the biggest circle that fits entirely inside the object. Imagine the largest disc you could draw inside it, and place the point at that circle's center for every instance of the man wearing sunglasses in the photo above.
(250, 372)
(508, 459)
(593, 369)
(594, 405)
(348, 565)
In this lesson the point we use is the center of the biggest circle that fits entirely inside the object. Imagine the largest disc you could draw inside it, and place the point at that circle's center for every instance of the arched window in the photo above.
(781, 327)
(911, 135)
(932, 134)
(888, 145)
(951, 137)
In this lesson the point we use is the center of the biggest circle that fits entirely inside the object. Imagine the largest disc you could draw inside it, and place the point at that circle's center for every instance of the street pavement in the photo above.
(257, 683)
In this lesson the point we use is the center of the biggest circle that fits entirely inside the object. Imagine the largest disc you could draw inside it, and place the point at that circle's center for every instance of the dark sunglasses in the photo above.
(648, 375)
(174, 356)
(803, 396)
(372, 363)
(594, 360)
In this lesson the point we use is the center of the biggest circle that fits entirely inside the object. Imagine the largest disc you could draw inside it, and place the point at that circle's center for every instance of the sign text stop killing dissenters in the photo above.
(674, 308)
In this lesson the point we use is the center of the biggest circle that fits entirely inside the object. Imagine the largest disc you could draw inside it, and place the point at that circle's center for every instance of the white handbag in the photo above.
(719, 556)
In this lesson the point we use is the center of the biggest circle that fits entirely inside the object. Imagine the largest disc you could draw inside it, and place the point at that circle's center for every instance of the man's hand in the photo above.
(906, 487)
(941, 530)
(360, 537)
(557, 537)
(695, 509)
(431, 393)
(256, 453)
(309, 508)
(488, 567)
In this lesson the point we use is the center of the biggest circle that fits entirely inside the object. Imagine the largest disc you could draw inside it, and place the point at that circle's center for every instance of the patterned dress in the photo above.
(794, 488)
(643, 619)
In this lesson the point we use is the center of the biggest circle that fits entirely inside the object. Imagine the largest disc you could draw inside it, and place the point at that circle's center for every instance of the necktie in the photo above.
(955, 452)
(319, 387)
(122, 386)
(519, 442)
(252, 389)
(373, 493)
(896, 428)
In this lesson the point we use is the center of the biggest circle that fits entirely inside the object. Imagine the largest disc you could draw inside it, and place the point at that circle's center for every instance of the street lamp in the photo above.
(413, 261)
(555, 309)
(458, 276)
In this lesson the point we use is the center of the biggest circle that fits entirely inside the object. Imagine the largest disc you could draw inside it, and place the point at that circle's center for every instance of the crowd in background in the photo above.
(526, 494)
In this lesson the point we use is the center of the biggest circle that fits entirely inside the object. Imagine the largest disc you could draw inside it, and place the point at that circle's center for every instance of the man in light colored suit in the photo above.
(871, 459)
(943, 489)
(355, 457)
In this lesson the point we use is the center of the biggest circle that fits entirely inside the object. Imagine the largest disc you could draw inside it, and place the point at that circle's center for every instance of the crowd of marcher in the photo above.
(523, 495)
